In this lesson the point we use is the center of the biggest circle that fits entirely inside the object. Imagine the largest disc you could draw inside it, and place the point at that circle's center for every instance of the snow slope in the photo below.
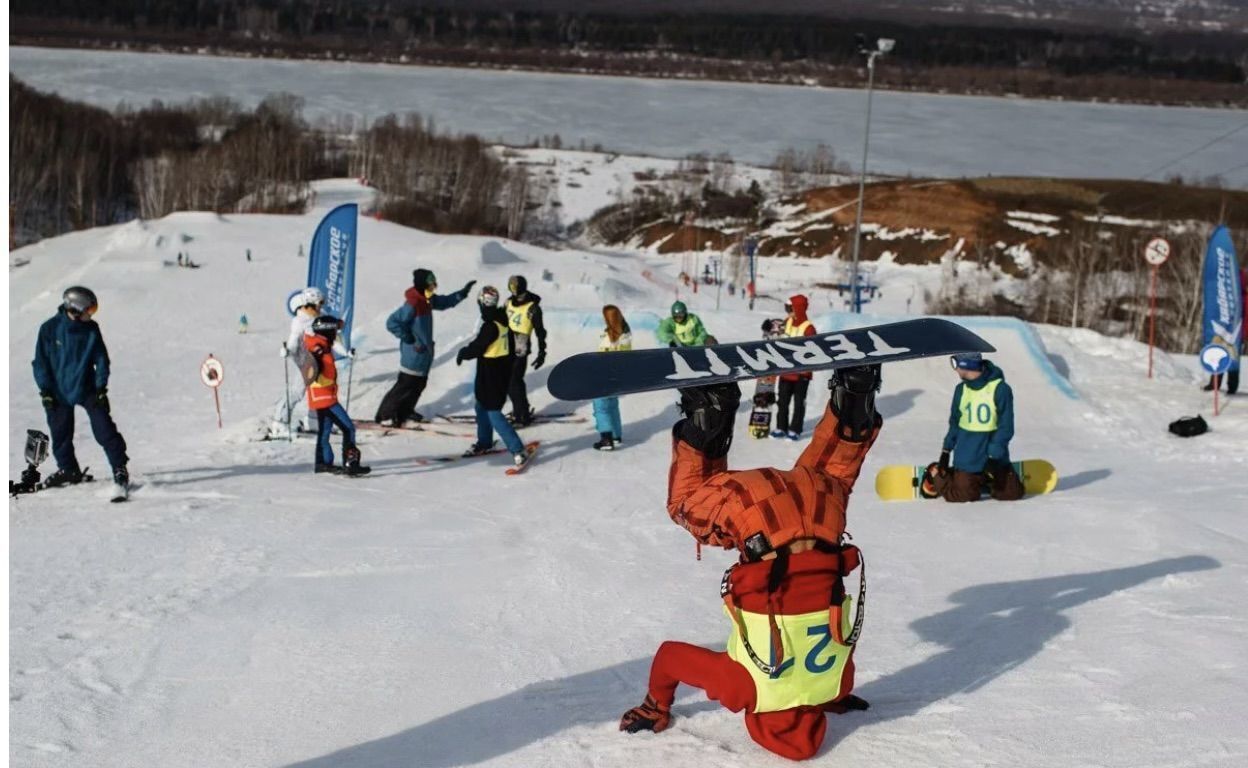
(240, 611)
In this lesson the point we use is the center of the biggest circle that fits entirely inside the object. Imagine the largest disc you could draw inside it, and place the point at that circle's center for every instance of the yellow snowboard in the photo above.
(900, 482)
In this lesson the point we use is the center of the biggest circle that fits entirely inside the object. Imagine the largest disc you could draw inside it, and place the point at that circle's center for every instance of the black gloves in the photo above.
(459, 357)
(468, 287)
(540, 360)
(709, 411)
(943, 464)
(101, 399)
(49, 401)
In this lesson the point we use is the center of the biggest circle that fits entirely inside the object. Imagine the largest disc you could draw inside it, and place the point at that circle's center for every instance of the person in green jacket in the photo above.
(682, 329)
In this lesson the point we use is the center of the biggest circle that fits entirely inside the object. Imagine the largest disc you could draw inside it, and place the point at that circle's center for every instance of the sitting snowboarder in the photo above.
(981, 425)
(790, 653)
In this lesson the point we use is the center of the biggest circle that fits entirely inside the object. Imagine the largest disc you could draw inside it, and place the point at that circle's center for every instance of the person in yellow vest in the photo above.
(794, 627)
(524, 318)
(981, 425)
(492, 351)
(793, 386)
(682, 329)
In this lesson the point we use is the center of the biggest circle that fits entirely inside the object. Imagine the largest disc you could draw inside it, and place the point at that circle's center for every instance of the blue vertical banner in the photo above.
(331, 264)
(1224, 310)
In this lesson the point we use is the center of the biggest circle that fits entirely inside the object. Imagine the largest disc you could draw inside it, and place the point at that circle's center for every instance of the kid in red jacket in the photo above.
(789, 657)
(793, 386)
(321, 375)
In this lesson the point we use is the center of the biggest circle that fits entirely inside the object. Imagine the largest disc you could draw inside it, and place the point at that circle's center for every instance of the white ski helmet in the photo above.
(312, 296)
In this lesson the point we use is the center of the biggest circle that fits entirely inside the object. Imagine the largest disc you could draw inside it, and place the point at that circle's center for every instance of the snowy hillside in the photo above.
(239, 611)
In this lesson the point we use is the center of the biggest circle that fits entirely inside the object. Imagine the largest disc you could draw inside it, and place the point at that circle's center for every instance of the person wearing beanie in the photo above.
(976, 451)
(412, 325)
(793, 386)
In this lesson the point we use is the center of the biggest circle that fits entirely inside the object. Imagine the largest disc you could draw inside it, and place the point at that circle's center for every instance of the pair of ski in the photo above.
(530, 451)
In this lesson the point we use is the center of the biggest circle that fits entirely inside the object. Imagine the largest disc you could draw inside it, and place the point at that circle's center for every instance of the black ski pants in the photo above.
(400, 402)
(794, 391)
(516, 388)
(1232, 381)
(61, 425)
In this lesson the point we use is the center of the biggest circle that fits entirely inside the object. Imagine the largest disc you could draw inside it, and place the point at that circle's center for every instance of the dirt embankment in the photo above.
(1015, 223)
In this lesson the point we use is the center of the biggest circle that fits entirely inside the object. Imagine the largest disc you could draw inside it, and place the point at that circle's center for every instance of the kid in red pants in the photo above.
(789, 656)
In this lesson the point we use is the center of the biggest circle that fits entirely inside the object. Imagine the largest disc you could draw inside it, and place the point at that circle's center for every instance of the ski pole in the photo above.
(290, 436)
(350, 376)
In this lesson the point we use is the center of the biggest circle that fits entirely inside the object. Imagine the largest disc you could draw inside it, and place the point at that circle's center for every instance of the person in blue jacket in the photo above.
(981, 425)
(71, 369)
(412, 325)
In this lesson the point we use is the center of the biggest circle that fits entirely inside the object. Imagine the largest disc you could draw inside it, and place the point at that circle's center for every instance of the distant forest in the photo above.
(979, 56)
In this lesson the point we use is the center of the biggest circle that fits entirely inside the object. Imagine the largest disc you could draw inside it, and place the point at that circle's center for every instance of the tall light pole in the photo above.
(882, 46)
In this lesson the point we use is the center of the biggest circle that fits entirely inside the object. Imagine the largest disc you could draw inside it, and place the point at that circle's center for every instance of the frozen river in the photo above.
(920, 134)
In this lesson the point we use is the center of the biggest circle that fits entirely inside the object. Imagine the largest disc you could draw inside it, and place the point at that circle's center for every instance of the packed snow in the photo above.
(912, 133)
(239, 610)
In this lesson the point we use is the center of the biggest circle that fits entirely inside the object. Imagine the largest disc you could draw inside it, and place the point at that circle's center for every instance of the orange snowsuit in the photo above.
(727, 509)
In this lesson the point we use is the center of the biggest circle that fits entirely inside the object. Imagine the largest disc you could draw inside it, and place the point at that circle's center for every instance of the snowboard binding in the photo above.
(36, 452)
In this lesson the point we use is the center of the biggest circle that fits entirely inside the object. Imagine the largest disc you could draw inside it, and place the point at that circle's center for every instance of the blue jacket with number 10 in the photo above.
(981, 421)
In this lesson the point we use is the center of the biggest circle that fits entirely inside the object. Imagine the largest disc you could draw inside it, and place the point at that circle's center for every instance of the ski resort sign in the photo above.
(1157, 251)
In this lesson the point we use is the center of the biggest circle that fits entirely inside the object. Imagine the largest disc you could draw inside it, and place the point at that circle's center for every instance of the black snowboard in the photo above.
(605, 374)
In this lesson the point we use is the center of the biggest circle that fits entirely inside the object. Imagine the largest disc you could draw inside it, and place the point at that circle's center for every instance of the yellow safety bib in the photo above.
(685, 331)
(814, 661)
(518, 318)
(978, 408)
(500, 347)
(795, 330)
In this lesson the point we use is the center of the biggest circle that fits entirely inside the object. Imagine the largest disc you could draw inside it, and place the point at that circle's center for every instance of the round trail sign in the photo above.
(1157, 251)
(1215, 359)
(212, 373)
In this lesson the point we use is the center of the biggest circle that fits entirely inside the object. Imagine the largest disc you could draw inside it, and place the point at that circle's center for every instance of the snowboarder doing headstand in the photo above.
(524, 318)
(790, 652)
(492, 351)
(71, 368)
(412, 325)
(321, 376)
(981, 425)
(793, 386)
(681, 329)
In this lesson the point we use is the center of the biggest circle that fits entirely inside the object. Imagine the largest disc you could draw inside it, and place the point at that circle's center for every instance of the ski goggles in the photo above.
(958, 363)
(84, 314)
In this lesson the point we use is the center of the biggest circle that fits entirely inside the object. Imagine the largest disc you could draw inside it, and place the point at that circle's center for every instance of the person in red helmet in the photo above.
(793, 386)
(789, 659)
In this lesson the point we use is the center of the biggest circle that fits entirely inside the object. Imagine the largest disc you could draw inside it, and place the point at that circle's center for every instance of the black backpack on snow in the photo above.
(1189, 426)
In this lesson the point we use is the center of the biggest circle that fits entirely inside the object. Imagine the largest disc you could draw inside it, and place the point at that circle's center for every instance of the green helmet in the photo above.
(679, 309)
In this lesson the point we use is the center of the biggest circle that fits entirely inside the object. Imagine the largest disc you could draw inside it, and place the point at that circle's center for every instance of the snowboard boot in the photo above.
(63, 477)
(521, 458)
(121, 477)
(519, 420)
(650, 716)
(607, 443)
(330, 469)
(794, 436)
(934, 481)
(478, 450)
(351, 463)
(709, 414)
(853, 401)
(778, 434)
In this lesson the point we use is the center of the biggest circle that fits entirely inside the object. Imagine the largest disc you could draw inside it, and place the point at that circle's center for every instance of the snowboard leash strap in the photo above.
(725, 591)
